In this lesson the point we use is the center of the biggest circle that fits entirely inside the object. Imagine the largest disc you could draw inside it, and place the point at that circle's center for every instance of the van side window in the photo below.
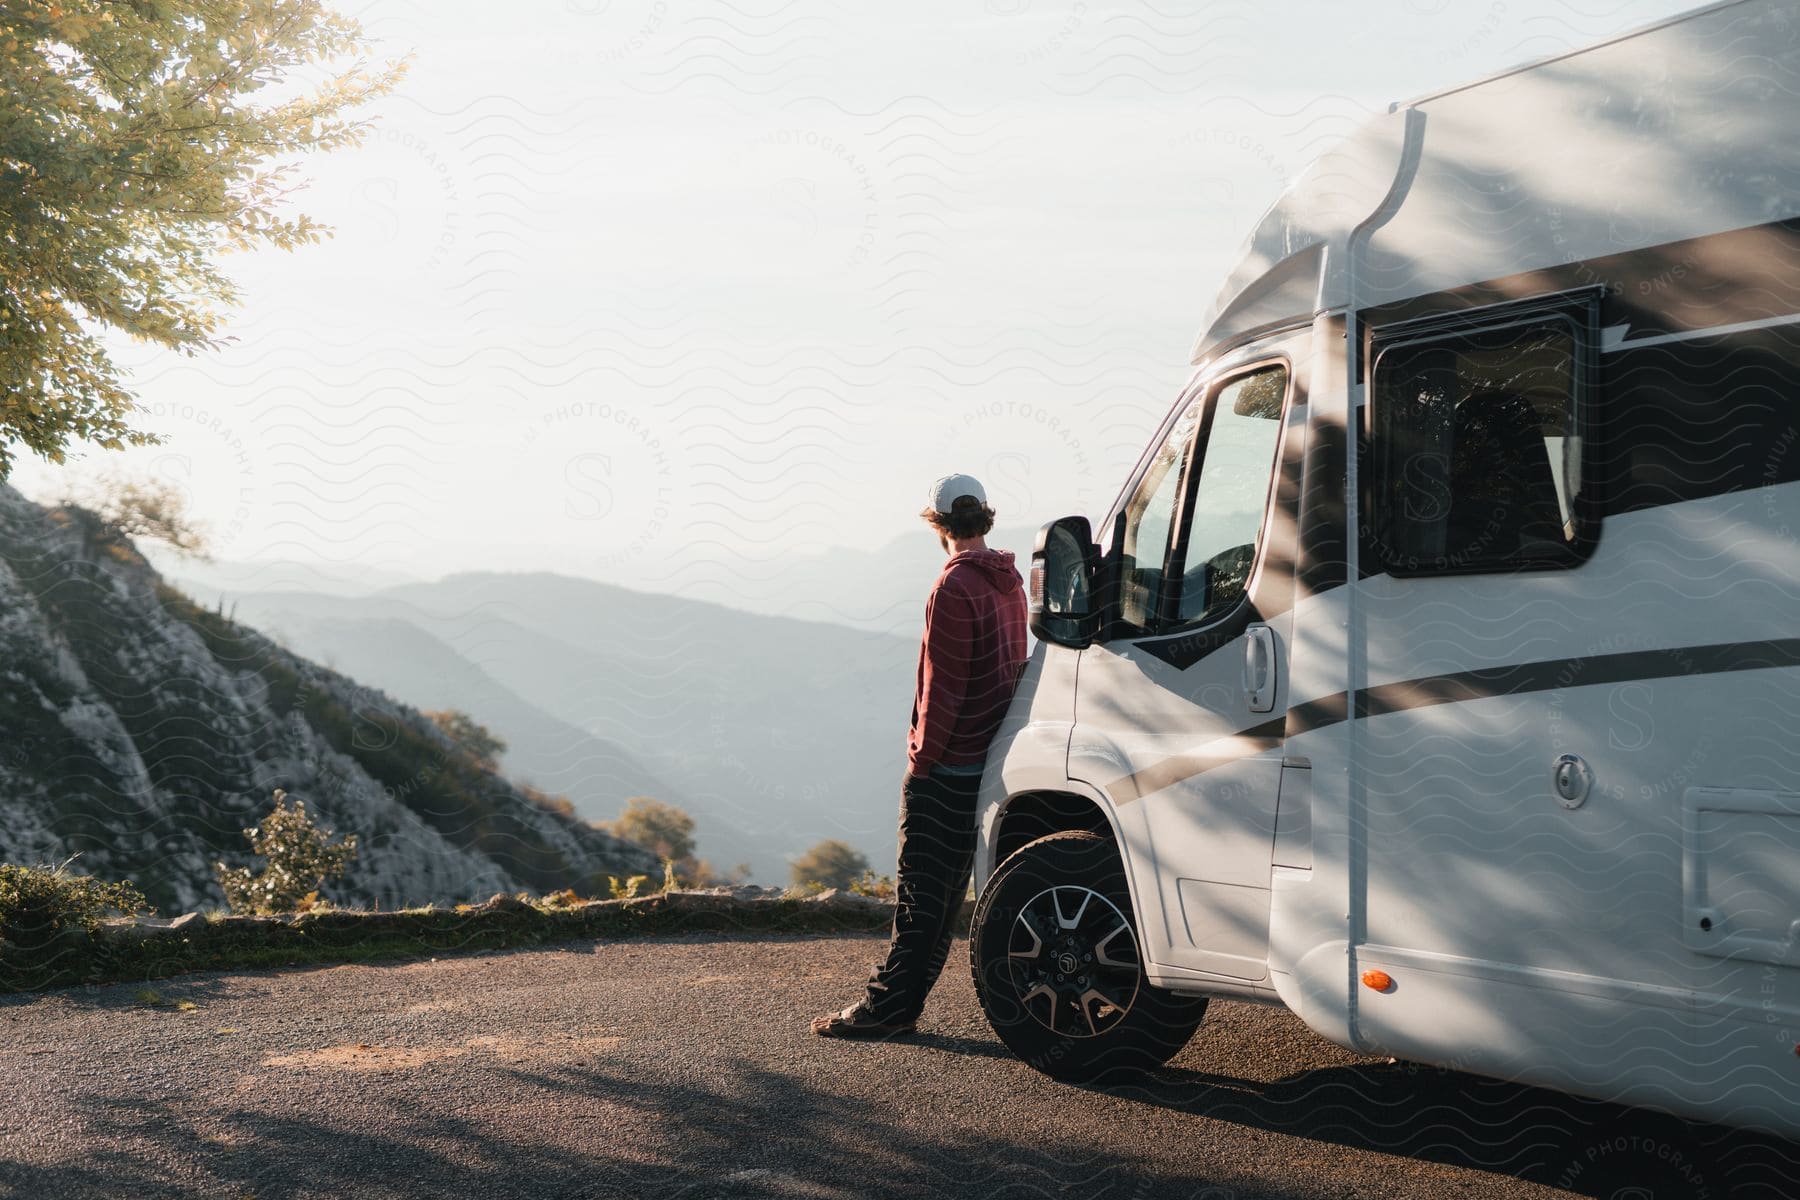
(1476, 449)
(1149, 518)
(1225, 515)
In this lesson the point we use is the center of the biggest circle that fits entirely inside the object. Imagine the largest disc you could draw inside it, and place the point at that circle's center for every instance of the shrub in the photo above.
(561, 805)
(38, 903)
(879, 886)
(300, 857)
(471, 737)
(661, 828)
(702, 873)
(144, 508)
(832, 864)
(627, 890)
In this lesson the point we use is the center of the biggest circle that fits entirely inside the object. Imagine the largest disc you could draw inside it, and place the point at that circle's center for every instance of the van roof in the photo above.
(1533, 64)
(1666, 133)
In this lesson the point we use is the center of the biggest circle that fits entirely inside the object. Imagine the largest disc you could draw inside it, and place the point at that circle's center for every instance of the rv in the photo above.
(1436, 673)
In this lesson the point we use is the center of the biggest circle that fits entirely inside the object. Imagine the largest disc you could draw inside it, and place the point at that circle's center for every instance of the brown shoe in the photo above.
(857, 1022)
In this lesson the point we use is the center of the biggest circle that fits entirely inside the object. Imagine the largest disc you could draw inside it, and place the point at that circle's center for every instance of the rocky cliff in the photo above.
(145, 732)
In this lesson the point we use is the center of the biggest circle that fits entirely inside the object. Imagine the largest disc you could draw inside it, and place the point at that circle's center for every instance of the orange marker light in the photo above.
(1381, 981)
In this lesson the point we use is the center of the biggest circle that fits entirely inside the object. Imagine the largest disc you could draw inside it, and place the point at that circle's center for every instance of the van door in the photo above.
(1179, 710)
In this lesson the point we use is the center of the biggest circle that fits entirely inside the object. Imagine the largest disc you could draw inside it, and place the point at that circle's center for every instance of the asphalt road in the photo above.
(683, 1067)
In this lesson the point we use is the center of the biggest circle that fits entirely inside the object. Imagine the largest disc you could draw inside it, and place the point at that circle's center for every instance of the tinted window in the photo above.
(1476, 450)
(1702, 416)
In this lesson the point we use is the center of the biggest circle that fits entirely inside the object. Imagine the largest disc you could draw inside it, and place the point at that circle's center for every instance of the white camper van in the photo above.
(1436, 673)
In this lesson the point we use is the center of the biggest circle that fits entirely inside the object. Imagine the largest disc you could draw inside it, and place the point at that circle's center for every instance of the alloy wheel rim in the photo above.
(1073, 960)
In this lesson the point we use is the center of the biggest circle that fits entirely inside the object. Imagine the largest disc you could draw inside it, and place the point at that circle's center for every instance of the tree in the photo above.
(661, 828)
(832, 863)
(562, 806)
(299, 855)
(471, 737)
(136, 144)
(144, 508)
(704, 873)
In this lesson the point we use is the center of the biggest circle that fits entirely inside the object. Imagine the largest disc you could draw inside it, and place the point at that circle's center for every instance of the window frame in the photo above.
(1204, 391)
(1196, 395)
(1579, 311)
(1192, 392)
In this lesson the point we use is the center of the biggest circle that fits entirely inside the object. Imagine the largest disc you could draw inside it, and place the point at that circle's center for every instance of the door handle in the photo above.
(1259, 667)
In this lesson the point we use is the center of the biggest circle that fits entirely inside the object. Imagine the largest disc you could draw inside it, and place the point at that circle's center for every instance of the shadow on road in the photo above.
(693, 1119)
(591, 1132)
(967, 1046)
(1585, 1147)
(747, 1131)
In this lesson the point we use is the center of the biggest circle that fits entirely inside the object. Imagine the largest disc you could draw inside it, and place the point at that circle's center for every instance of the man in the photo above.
(969, 661)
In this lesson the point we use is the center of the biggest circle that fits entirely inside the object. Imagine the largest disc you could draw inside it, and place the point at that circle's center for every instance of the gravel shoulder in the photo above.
(682, 1066)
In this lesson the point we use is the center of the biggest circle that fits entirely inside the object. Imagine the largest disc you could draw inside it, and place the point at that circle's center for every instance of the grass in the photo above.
(344, 936)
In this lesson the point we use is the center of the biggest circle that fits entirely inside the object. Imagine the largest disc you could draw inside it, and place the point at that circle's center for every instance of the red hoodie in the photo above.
(969, 660)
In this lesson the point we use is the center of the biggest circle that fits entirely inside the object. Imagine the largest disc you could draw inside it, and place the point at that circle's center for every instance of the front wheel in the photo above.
(1059, 968)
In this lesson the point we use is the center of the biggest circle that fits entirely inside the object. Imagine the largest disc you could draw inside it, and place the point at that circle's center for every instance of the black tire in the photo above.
(1080, 1007)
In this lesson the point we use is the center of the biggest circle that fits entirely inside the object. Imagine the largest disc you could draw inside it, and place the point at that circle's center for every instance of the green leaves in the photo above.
(132, 152)
(299, 856)
(37, 904)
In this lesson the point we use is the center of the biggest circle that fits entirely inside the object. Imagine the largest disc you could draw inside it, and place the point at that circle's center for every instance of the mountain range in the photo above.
(876, 588)
(774, 733)
(776, 721)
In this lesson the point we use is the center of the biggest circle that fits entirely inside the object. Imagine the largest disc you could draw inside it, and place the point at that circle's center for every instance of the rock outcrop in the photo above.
(145, 733)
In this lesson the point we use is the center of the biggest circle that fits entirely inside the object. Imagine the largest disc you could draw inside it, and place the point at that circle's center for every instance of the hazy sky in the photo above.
(661, 295)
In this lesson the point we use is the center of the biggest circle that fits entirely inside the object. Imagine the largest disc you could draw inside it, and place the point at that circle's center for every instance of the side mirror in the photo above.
(1065, 584)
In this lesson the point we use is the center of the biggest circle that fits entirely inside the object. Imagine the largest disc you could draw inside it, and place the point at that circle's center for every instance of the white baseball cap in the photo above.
(951, 488)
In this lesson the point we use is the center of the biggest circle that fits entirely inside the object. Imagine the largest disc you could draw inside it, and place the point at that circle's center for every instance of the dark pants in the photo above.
(937, 852)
